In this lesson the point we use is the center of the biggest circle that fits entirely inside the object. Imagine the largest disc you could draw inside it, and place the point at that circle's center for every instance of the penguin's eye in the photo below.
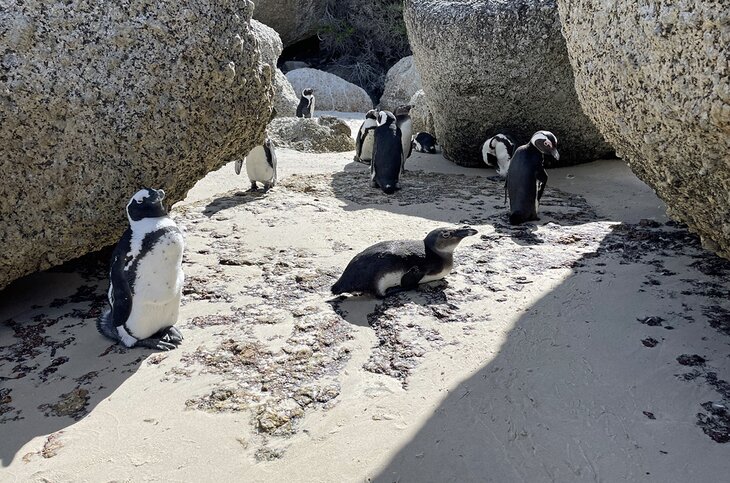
(445, 234)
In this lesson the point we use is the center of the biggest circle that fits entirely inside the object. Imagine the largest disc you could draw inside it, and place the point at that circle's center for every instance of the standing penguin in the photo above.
(403, 120)
(526, 178)
(497, 151)
(387, 161)
(260, 165)
(402, 263)
(424, 142)
(146, 277)
(306, 103)
(366, 137)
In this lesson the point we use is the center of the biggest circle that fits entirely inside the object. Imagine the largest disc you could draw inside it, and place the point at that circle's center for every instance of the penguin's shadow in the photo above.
(55, 368)
(231, 201)
(360, 310)
(524, 234)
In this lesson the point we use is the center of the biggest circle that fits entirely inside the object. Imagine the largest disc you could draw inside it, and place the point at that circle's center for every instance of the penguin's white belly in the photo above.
(366, 152)
(390, 280)
(503, 159)
(257, 167)
(437, 276)
(158, 287)
(406, 130)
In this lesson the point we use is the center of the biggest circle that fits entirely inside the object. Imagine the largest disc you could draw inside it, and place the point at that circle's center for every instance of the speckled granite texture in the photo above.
(98, 99)
(491, 66)
(401, 83)
(654, 77)
(285, 99)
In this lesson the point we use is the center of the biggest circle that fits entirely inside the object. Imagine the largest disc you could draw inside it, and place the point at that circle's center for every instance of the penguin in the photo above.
(391, 266)
(403, 120)
(386, 165)
(424, 142)
(146, 277)
(497, 152)
(526, 177)
(366, 137)
(306, 104)
(260, 165)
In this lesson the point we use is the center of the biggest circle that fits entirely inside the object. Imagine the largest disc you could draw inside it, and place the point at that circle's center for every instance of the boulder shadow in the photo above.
(55, 367)
(590, 384)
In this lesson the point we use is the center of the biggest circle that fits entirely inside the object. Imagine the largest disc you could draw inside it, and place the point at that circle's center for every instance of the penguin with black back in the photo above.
(366, 137)
(386, 165)
(306, 103)
(392, 266)
(527, 178)
(146, 277)
(260, 166)
(497, 152)
(404, 123)
(424, 142)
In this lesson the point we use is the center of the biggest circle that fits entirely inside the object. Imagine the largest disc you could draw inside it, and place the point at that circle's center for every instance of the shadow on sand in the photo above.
(586, 388)
(231, 200)
(54, 365)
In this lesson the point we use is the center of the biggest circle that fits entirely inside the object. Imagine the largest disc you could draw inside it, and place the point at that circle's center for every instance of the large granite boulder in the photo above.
(294, 20)
(332, 93)
(285, 99)
(654, 78)
(401, 84)
(97, 101)
(489, 66)
(324, 134)
(421, 113)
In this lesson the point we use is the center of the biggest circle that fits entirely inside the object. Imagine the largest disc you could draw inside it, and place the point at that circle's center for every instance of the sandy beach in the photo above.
(590, 346)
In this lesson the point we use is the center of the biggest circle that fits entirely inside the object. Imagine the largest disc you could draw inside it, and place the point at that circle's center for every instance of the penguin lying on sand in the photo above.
(260, 165)
(387, 161)
(306, 103)
(527, 178)
(497, 152)
(146, 277)
(424, 142)
(402, 264)
(366, 138)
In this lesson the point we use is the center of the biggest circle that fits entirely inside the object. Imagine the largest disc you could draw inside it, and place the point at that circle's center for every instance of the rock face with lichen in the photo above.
(285, 100)
(490, 66)
(98, 100)
(654, 78)
(401, 83)
(324, 134)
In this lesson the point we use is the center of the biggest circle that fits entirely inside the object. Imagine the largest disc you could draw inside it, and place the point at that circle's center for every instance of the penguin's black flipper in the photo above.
(121, 293)
(358, 143)
(410, 279)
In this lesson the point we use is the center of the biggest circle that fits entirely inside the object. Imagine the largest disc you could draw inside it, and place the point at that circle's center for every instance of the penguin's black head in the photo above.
(445, 240)
(371, 114)
(146, 203)
(385, 118)
(546, 143)
(307, 92)
(403, 110)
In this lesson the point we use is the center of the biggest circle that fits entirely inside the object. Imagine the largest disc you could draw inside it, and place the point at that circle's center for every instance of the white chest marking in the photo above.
(140, 229)
(257, 167)
(500, 151)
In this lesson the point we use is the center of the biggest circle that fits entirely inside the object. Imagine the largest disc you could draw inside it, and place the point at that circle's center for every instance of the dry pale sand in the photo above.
(592, 346)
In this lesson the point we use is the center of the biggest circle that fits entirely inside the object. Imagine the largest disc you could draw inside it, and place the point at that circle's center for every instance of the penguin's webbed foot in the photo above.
(164, 340)
(268, 186)
(253, 186)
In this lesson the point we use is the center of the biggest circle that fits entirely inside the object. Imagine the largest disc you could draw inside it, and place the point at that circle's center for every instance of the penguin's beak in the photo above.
(555, 154)
(464, 232)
